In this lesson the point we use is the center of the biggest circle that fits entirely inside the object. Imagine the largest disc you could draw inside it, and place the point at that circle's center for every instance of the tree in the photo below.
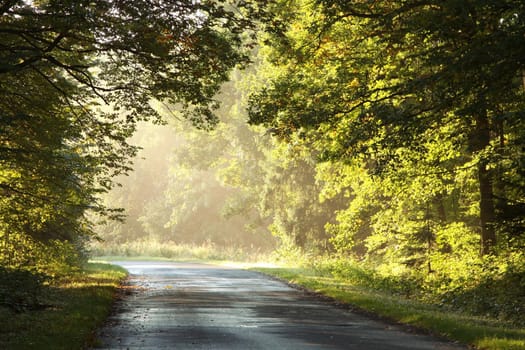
(75, 77)
(125, 53)
(200, 188)
(373, 78)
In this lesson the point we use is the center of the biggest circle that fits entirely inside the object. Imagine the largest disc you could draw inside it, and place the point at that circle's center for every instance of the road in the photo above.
(196, 306)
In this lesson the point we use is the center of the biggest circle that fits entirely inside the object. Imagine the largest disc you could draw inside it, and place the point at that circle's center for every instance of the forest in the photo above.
(381, 140)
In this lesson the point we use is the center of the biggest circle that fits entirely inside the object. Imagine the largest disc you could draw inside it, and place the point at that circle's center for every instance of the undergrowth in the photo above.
(171, 250)
(492, 287)
(57, 313)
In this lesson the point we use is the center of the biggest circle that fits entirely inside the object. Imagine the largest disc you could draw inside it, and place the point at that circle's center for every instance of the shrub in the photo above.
(21, 289)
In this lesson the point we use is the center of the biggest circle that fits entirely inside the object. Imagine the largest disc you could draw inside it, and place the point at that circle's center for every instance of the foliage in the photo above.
(233, 186)
(198, 189)
(489, 287)
(387, 135)
(75, 78)
(21, 289)
(416, 92)
(384, 135)
(27, 266)
(412, 127)
(492, 287)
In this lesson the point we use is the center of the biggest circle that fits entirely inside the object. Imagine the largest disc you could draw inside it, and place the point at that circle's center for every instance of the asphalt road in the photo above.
(195, 306)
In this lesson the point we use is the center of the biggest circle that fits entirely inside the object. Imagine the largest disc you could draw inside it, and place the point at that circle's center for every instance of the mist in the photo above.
(186, 189)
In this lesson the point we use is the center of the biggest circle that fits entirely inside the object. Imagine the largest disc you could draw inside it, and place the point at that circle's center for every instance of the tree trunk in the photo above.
(480, 140)
(486, 206)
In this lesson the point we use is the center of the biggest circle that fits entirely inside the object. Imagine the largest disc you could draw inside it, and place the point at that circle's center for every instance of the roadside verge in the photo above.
(479, 333)
(75, 306)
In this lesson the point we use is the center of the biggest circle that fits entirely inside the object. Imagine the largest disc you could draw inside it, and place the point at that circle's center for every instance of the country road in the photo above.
(196, 306)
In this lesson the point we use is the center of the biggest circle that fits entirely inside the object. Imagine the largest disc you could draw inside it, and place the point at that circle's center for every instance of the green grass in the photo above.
(478, 332)
(151, 248)
(110, 258)
(75, 307)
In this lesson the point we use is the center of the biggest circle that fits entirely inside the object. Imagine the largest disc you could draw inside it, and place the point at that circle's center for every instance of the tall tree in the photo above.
(373, 77)
(75, 77)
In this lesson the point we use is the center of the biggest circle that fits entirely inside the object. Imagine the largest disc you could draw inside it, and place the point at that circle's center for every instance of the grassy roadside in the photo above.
(477, 332)
(73, 308)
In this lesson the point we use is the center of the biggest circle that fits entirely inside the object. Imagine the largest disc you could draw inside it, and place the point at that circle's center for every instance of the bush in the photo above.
(492, 286)
(21, 289)
(495, 288)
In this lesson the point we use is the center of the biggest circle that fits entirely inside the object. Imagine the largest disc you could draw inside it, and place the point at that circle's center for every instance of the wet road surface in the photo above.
(195, 306)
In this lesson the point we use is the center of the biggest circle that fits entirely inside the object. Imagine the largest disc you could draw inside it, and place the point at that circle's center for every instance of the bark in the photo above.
(481, 139)
(486, 206)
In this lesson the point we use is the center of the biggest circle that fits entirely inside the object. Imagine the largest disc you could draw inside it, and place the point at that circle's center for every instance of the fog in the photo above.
(181, 192)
